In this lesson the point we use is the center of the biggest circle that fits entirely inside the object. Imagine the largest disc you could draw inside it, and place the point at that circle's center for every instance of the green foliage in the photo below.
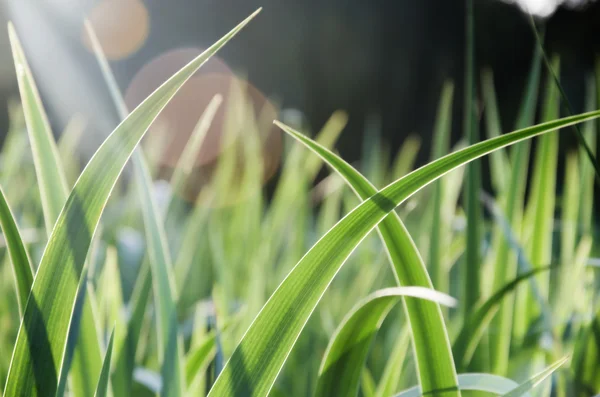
(235, 292)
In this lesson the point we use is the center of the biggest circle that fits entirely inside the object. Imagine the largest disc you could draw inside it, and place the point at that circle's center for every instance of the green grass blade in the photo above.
(475, 382)
(406, 157)
(440, 230)
(390, 379)
(258, 359)
(48, 166)
(472, 258)
(505, 262)
(103, 381)
(535, 380)
(169, 342)
(19, 257)
(40, 343)
(474, 325)
(53, 192)
(122, 377)
(432, 349)
(199, 358)
(348, 347)
(170, 348)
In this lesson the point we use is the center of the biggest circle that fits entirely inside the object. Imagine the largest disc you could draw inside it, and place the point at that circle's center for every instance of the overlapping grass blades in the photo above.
(40, 344)
(258, 359)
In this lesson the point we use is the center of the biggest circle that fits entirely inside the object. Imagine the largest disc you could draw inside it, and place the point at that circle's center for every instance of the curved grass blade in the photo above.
(476, 382)
(258, 359)
(19, 257)
(348, 347)
(169, 343)
(432, 349)
(40, 343)
(199, 359)
(102, 389)
(535, 380)
(466, 341)
(53, 192)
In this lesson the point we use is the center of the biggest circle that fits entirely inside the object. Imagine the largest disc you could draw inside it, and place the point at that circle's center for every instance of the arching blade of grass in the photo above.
(53, 192)
(465, 343)
(505, 261)
(432, 349)
(256, 362)
(40, 343)
(19, 257)
(103, 384)
(535, 380)
(347, 351)
(475, 382)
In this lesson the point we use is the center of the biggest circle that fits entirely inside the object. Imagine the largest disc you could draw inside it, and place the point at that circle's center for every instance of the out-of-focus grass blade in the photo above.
(500, 167)
(192, 148)
(200, 357)
(472, 258)
(476, 382)
(539, 216)
(465, 343)
(406, 157)
(586, 206)
(53, 192)
(505, 262)
(390, 379)
(19, 257)
(258, 359)
(40, 343)
(440, 230)
(170, 348)
(123, 374)
(367, 383)
(67, 147)
(103, 384)
(348, 347)
(586, 358)
(433, 353)
(535, 380)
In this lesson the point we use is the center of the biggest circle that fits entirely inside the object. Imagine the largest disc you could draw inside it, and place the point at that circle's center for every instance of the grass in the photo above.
(108, 290)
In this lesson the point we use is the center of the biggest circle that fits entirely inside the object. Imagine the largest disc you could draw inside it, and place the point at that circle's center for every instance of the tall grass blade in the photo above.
(103, 381)
(390, 379)
(39, 348)
(347, 351)
(53, 192)
(258, 359)
(432, 349)
(535, 380)
(19, 257)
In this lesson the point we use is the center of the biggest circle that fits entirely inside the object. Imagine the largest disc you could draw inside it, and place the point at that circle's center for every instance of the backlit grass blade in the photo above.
(406, 157)
(53, 192)
(258, 359)
(475, 382)
(103, 384)
(48, 166)
(432, 349)
(474, 325)
(535, 380)
(19, 257)
(169, 343)
(505, 261)
(347, 351)
(40, 343)
(440, 230)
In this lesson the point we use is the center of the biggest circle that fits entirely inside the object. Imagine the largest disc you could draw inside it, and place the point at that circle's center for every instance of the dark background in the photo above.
(383, 58)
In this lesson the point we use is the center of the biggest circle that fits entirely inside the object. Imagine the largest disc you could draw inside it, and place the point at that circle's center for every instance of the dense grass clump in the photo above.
(112, 288)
